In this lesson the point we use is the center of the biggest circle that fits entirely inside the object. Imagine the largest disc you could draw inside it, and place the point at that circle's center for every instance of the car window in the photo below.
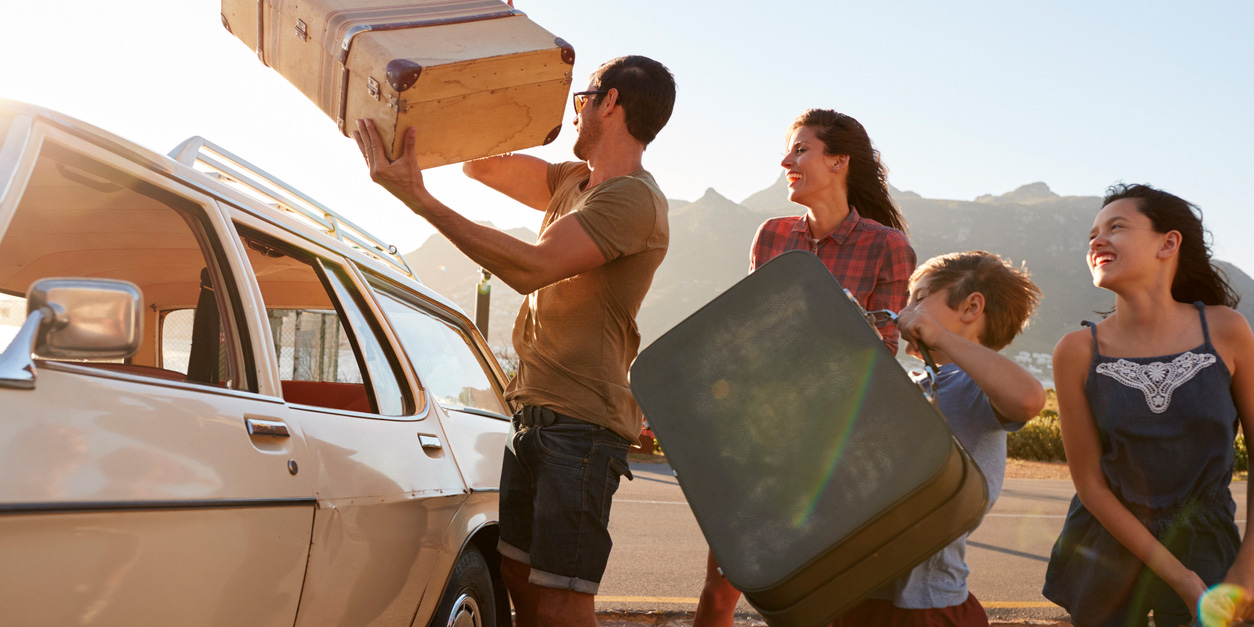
(381, 369)
(448, 365)
(178, 340)
(328, 353)
(12, 315)
(79, 217)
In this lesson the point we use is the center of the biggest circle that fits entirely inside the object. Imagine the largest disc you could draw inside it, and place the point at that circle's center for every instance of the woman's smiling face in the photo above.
(809, 169)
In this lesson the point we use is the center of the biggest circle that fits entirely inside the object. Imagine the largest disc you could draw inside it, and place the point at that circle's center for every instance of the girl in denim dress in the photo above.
(1149, 402)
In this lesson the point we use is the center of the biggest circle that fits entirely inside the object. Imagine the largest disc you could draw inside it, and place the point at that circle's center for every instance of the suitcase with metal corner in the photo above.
(816, 468)
(475, 77)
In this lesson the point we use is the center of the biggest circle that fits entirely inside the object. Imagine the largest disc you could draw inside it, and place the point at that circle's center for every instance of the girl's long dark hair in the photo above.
(1197, 278)
(868, 178)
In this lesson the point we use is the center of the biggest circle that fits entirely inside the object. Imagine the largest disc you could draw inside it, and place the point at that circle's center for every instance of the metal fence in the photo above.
(312, 346)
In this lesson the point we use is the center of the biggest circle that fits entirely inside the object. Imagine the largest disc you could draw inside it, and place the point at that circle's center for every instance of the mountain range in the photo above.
(710, 239)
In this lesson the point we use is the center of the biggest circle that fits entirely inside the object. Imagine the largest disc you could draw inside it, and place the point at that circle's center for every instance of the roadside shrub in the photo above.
(1039, 440)
(1243, 456)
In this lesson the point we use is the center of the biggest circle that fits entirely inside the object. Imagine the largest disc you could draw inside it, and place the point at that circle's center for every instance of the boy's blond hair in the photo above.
(1010, 297)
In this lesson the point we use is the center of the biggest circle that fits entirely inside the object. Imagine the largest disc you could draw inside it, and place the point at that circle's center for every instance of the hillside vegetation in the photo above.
(710, 239)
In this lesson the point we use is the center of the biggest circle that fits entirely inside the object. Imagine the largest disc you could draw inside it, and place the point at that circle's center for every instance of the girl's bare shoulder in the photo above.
(1221, 315)
(1227, 325)
(1080, 338)
(1075, 347)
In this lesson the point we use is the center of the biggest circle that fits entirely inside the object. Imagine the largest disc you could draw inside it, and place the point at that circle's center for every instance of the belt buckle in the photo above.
(536, 416)
(546, 417)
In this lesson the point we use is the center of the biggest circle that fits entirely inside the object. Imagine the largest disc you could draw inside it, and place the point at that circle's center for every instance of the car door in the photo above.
(459, 376)
(161, 489)
(387, 487)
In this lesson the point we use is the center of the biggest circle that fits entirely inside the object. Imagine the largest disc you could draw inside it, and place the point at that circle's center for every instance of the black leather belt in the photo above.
(532, 416)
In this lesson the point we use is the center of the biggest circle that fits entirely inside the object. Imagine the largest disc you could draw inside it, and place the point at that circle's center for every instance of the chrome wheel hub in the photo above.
(465, 612)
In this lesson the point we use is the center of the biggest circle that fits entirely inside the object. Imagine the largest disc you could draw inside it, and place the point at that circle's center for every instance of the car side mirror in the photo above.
(73, 318)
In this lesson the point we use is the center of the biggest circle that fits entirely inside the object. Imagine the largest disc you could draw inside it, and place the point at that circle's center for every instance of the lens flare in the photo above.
(1218, 605)
(868, 359)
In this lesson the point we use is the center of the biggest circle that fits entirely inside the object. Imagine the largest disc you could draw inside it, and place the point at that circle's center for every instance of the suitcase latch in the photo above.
(373, 87)
(302, 31)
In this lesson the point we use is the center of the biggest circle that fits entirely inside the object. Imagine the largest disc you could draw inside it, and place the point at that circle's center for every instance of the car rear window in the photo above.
(449, 367)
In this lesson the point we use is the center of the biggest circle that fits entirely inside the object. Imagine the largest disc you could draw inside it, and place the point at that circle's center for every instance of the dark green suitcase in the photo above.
(815, 466)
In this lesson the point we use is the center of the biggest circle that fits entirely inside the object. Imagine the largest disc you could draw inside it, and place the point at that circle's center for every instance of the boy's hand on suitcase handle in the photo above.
(919, 327)
(878, 317)
(922, 331)
(401, 176)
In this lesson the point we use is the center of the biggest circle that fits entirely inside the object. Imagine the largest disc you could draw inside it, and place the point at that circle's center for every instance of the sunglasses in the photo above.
(580, 98)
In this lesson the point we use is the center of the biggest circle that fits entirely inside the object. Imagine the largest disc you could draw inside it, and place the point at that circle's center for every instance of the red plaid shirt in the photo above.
(869, 259)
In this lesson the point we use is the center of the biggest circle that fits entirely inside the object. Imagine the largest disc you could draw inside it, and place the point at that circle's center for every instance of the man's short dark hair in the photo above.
(646, 90)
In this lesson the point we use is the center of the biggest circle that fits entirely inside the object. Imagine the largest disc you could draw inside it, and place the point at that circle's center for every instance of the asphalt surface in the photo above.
(658, 562)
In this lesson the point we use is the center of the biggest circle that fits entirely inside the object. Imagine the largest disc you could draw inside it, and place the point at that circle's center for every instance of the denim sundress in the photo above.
(1166, 426)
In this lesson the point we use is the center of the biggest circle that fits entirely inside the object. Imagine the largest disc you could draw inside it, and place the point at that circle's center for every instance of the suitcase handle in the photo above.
(879, 318)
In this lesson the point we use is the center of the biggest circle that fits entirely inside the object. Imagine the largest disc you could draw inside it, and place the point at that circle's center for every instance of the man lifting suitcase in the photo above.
(604, 233)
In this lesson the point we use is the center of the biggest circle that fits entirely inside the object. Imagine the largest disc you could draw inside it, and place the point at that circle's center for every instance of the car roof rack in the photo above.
(220, 163)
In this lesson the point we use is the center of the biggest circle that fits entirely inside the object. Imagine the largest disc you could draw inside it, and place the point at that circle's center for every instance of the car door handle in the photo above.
(271, 428)
(430, 442)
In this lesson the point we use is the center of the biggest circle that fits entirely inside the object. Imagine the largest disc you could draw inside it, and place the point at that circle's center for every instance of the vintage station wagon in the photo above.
(223, 404)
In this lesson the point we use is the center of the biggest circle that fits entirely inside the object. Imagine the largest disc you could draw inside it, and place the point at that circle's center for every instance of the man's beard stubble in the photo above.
(589, 135)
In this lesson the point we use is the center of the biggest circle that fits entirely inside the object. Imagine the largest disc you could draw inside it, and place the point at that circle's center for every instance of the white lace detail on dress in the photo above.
(1157, 380)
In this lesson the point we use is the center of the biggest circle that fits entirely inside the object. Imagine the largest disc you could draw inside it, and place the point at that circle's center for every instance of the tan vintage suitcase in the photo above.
(475, 77)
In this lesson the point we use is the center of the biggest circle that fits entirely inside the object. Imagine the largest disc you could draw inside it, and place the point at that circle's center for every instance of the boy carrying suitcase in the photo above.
(964, 307)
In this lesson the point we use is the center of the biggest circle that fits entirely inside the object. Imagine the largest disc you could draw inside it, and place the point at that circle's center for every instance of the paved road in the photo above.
(659, 554)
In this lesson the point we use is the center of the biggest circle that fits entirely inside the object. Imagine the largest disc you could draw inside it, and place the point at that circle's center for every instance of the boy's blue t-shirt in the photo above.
(941, 581)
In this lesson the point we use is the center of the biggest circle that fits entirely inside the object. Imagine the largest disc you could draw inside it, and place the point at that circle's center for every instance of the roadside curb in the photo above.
(616, 618)
(662, 618)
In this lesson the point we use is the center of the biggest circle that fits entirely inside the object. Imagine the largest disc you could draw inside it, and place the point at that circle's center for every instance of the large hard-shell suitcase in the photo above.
(476, 77)
(814, 465)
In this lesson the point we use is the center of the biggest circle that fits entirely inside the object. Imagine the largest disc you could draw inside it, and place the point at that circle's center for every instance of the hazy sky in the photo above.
(961, 98)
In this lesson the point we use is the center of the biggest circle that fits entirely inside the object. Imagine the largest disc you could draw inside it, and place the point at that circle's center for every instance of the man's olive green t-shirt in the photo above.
(576, 338)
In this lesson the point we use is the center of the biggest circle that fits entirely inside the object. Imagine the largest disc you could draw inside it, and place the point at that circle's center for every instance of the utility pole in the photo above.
(483, 299)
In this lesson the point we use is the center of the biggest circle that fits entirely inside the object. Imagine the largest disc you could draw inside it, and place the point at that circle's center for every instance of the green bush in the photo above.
(1243, 457)
(1039, 440)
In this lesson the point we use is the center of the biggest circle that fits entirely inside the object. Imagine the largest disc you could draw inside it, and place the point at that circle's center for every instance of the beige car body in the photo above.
(133, 495)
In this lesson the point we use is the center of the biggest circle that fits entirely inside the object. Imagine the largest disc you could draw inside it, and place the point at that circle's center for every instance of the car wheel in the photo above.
(468, 600)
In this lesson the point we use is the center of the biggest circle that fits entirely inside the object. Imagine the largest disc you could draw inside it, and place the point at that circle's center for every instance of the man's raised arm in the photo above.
(521, 177)
(563, 251)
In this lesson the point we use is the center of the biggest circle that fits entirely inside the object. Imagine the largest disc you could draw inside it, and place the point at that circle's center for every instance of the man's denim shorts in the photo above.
(557, 482)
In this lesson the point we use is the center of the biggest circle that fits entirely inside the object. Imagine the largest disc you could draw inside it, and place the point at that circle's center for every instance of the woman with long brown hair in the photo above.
(854, 228)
